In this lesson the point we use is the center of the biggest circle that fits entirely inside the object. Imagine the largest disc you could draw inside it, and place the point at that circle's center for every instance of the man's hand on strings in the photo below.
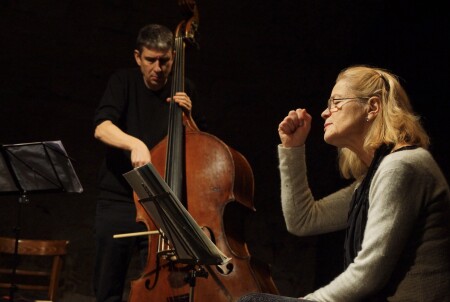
(182, 99)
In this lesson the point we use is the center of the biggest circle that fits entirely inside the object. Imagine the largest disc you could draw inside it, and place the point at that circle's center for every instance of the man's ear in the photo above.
(137, 57)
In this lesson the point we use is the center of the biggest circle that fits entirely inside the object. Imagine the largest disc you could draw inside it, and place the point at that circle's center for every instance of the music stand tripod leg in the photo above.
(23, 199)
(191, 279)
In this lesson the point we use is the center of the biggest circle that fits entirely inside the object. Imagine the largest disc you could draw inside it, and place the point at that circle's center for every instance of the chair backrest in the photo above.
(33, 277)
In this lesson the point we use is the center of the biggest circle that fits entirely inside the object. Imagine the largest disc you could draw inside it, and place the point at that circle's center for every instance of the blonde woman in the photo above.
(396, 212)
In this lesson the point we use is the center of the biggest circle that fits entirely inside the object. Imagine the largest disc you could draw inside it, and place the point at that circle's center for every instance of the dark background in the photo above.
(257, 60)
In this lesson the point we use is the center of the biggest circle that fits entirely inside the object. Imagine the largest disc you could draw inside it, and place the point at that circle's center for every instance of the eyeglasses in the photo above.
(336, 104)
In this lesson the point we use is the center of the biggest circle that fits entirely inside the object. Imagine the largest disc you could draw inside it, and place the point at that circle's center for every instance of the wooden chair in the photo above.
(33, 276)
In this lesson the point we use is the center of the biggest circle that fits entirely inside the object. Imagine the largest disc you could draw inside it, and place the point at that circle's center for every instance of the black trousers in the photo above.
(262, 297)
(113, 255)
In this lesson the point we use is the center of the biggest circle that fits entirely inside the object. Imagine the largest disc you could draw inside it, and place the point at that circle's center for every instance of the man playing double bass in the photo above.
(131, 118)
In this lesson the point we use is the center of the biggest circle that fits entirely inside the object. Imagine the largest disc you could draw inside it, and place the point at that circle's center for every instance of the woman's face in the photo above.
(345, 118)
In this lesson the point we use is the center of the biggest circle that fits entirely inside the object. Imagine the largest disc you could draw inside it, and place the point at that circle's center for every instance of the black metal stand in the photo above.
(23, 199)
(192, 278)
(190, 243)
(34, 167)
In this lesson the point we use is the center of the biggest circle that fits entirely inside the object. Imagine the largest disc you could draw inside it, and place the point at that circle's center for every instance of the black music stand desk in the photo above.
(37, 167)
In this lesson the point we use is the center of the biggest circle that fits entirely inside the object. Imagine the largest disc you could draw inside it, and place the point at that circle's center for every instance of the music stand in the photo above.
(175, 223)
(37, 167)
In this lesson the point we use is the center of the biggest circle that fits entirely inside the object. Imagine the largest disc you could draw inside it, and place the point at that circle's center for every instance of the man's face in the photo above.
(155, 66)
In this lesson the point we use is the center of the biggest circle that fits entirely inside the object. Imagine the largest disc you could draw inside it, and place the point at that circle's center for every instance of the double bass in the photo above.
(215, 183)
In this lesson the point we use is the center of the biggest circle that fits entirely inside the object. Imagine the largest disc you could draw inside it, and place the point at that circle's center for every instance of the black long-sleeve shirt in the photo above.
(139, 112)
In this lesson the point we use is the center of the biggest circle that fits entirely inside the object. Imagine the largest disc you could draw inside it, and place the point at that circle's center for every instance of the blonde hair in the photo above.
(396, 123)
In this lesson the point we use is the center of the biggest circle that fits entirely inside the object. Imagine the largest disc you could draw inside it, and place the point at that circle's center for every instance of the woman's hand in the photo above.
(294, 128)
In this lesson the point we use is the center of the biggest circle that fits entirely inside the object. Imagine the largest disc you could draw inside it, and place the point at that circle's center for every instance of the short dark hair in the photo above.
(154, 36)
